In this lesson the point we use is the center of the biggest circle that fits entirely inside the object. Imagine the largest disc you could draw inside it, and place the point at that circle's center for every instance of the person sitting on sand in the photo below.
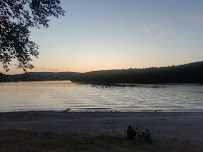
(147, 136)
(131, 133)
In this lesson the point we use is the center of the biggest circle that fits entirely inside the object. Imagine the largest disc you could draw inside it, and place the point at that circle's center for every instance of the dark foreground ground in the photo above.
(99, 132)
(30, 141)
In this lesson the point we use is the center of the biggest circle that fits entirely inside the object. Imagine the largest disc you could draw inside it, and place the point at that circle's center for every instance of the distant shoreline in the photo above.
(186, 73)
(99, 110)
(110, 84)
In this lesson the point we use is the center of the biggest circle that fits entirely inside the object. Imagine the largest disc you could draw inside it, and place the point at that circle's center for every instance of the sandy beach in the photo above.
(184, 127)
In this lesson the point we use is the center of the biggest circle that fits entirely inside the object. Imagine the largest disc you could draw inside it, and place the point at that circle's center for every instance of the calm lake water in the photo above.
(62, 95)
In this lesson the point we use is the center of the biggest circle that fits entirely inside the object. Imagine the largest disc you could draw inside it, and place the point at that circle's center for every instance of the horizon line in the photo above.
(105, 69)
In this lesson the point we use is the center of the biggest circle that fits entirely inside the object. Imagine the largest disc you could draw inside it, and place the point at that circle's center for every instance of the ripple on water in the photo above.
(62, 95)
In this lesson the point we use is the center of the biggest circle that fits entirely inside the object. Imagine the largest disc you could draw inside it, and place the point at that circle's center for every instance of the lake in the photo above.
(62, 95)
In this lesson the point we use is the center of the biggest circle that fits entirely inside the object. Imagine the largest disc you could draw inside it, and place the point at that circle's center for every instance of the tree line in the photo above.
(3, 77)
(41, 76)
(187, 73)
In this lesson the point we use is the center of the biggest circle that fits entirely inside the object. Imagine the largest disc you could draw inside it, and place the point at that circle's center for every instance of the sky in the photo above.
(119, 34)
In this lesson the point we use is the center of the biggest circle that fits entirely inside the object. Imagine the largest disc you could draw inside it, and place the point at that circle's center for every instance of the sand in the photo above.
(168, 126)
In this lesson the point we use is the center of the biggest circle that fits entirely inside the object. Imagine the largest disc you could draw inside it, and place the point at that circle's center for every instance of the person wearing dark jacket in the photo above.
(131, 133)
(147, 136)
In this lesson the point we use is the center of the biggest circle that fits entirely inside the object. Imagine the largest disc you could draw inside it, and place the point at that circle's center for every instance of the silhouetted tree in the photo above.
(16, 17)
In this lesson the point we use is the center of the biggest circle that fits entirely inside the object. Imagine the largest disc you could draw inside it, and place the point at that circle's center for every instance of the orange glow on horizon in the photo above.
(14, 70)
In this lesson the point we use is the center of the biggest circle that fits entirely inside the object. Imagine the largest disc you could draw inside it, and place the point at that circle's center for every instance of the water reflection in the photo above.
(62, 95)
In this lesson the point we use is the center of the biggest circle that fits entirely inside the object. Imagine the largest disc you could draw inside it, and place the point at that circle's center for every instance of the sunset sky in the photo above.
(119, 34)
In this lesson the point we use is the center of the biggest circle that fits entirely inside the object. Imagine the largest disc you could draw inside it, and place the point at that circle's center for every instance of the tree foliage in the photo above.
(188, 73)
(41, 76)
(16, 19)
(3, 77)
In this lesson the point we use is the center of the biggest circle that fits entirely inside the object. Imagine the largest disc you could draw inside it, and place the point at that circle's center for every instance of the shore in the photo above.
(177, 127)
(163, 126)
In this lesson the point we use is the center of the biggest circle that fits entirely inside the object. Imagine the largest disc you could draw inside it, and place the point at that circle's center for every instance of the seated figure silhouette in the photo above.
(147, 136)
(131, 133)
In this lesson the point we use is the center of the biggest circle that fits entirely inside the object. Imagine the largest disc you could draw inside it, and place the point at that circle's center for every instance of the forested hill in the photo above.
(187, 73)
(2, 77)
(41, 76)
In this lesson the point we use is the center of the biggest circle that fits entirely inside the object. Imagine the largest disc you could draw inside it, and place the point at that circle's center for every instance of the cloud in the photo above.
(153, 30)
(38, 68)
(45, 69)
(15, 65)
(150, 28)
(197, 19)
(146, 28)
(160, 35)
